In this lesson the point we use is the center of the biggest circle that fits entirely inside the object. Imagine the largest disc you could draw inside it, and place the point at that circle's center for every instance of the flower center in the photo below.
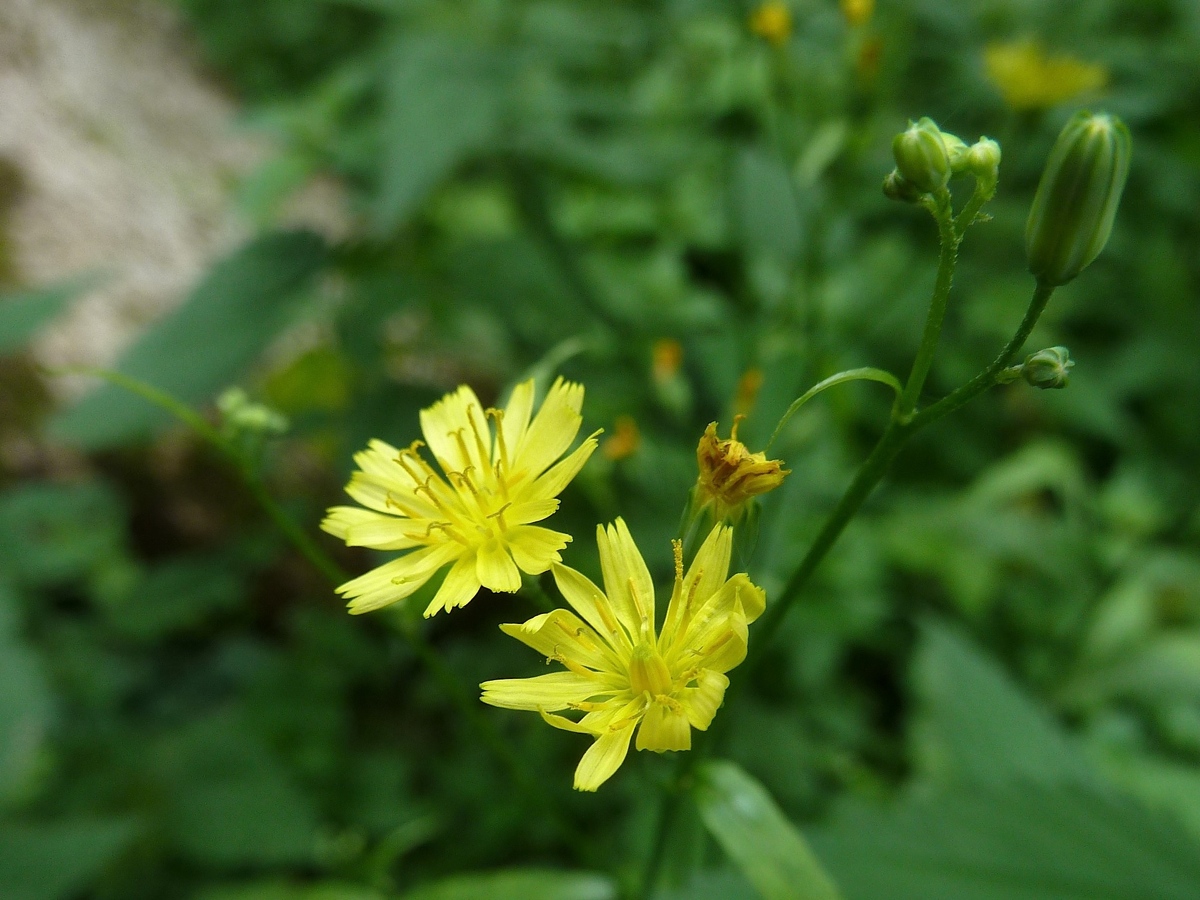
(648, 671)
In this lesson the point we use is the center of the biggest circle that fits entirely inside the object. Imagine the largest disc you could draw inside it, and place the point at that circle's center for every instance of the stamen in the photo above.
(480, 443)
(501, 447)
(462, 445)
(498, 515)
(737, 420)
(677, 549)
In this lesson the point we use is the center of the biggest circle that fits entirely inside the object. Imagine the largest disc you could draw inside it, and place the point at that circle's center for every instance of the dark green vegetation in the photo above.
(991, 689)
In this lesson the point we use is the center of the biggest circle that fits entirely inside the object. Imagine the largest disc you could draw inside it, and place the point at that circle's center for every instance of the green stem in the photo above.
(966, 218)
(947, 258)
(989, 376)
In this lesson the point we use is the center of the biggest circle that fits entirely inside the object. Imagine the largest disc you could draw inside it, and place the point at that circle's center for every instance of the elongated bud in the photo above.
(1048, 369)
(921, 156)
(1077, 198)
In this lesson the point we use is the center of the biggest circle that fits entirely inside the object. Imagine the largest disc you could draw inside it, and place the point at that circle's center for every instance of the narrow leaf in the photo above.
(199, 348)
(756, 835)
(519, 884)
(22, 315)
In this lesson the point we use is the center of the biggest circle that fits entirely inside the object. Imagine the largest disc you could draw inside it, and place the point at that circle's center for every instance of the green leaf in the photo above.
(1018, 842)
(519, 884)
(764, 204)
(717, 884)
(976, 726)
(48, 862)
(753, 831)
(282, 890)
(442, 103)
(199, 348)
(23, 314)
(25, 703)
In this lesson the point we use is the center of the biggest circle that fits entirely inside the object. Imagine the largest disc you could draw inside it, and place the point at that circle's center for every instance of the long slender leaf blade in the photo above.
(519, 884)
(197, 349)
(23, 314)
(752, 830)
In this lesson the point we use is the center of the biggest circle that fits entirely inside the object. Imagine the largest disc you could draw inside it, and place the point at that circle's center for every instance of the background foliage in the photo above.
(992, 689)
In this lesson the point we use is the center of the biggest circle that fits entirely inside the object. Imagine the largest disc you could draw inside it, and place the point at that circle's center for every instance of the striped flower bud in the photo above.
(1077, 198)
(1048, 369)
(921, 156)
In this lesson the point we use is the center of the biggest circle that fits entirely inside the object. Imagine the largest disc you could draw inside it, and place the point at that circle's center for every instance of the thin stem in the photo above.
(989, 376)
(947, 258)
(668, 813)
(966, 218)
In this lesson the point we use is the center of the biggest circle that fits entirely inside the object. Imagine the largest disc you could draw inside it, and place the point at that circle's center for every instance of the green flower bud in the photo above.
(921, 156)
(983, 160)
(897, 187)
(1048, 369)
(956, 151)
(1077, 198)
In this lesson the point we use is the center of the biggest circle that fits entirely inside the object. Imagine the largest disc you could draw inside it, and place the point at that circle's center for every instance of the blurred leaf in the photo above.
(233, 802)
(442, 102)
(765, 205)
(53, 861)
(51, 533)
(750, 828)
(519, 884)
(25, 702)
(23, 314)
(1017, 842)
(199, 348)
(976, 726)
(712, 885)
(1158, 783)
(282, 890)
(177, 595)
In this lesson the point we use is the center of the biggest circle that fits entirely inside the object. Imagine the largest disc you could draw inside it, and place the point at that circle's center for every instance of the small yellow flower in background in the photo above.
(497, 481)
(730, 475)
(748, 387)
(772, 21)
(666, 358)
(858, 12)
(624, 441)
(1029, 78)
(619, 673)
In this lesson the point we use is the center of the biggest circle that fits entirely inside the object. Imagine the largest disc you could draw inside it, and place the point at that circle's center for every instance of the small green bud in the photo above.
(897, 187)
(1077, 198)
(983, 160)
(1048, 369)
(921, 156)
(956, 151)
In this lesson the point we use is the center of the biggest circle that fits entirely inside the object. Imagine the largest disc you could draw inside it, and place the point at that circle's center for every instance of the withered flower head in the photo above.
(730, 475)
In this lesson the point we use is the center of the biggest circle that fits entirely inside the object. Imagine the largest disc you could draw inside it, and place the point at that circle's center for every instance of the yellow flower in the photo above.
(625, 440)
(730, 474)
(498, 480)
(772, 21)
(857, 12)
(1028, 78)
(619, 673)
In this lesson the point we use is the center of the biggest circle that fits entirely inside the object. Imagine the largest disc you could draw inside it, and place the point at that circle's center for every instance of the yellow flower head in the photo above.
(1028, 78)
(730, 474)
(772, 21)
(619, 673)
(498, 479)
(857, 12)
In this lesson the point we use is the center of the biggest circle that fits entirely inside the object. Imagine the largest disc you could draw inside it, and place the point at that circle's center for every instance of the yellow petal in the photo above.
(523, 511)
(626, 579)
(516, 415)
(340, 519)
(459, 588)
(458, 413)
(701, 702)
(558, 690)
(591, 603)
(496, 569)
(717, 641)
(602, 759)
(562, 634)
(663, 728)
(383, 532)
(564, 724)
(704, 579)
(552, 482)
(534, 549)
(388, 497)
(552, 431)
(397, 579)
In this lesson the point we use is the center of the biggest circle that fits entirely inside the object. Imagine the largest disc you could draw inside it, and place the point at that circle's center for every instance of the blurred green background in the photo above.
(991, 689)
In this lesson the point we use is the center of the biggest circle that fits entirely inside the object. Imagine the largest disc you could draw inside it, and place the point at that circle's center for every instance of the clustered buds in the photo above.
(927, 157)
(1048, 369)
(1077, 198)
